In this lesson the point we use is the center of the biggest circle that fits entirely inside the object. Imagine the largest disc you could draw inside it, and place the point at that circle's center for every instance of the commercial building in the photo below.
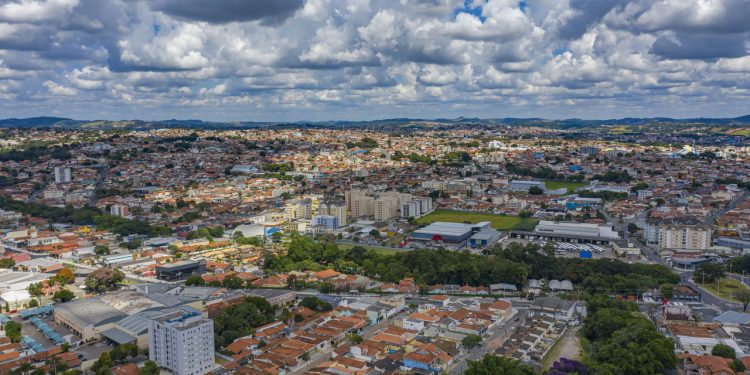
(449, 232)
(183, 342)
(88, 318)
(570, 232)
(522, 185)
(180, 270)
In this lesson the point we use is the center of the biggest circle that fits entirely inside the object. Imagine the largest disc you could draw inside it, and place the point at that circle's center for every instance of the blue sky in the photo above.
(288, 60)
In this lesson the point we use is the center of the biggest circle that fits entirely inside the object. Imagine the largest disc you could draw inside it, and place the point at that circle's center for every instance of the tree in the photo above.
(355, 339)
(195, 280)
(743, 296)
(471, 341)
(13, 331)
(102, 250)
(375, 233)
(103, 279)
(325, 288)
(565, 366)
(150, 368)
(709, 272)
(723, 350)
(494, 365)
(7, 263)
(35, 290)
(737, 366)
(233, 282)
(536, 190)
(667, 291)
(315, 304)
(63, 295)
(632, 228)
(65, 276)
(103, 364)
(33, 303)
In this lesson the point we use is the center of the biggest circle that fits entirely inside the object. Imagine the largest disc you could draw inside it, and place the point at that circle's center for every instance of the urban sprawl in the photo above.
(304, 250)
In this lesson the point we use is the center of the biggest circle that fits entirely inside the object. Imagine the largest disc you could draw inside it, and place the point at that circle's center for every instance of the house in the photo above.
(684, 292)
(705, 365)
(554, 307)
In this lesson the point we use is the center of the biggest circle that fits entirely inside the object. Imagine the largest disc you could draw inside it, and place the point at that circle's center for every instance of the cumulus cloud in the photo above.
(326, 59)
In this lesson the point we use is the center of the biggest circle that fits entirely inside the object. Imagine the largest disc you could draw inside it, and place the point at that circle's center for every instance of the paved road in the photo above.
(708, 298)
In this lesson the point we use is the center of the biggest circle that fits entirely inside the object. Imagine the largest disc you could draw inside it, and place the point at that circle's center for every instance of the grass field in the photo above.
(553, 185)
(726, 288)
(499, 222)
(381, 250)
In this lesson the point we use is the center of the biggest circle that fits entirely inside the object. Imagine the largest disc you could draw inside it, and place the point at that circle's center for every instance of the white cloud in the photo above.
(324, 59)
(35, 10)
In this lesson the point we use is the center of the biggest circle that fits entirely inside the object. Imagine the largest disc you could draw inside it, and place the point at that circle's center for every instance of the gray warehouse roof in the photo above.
(89, 312)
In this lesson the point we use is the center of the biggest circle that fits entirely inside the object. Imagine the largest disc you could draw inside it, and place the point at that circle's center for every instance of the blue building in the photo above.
(328, 221)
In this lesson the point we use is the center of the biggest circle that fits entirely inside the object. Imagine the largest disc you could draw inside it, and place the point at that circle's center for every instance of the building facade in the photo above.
(183, 342)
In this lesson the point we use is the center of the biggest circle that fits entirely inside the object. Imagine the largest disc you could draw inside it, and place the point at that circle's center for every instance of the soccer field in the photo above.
(499, 222)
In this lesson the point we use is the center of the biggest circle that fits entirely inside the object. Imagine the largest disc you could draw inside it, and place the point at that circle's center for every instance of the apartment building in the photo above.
(684, 237)
(183, 342)
(416, 208)
(388, 205)
(337, 209)
(63, 175)
(359, 203)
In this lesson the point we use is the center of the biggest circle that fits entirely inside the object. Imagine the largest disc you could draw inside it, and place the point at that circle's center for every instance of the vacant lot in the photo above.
(499, 222)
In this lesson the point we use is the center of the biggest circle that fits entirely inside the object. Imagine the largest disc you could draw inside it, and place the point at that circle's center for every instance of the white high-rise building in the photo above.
(119, 210)
(63, 175)
(182, 341)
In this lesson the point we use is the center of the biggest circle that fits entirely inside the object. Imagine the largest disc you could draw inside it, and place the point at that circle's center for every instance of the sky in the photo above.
(296, 60)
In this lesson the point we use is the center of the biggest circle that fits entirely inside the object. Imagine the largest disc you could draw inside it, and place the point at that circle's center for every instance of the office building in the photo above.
(183, 342)
(180, 270)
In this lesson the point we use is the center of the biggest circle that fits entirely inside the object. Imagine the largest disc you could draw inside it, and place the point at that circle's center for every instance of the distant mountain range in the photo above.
(395, 123)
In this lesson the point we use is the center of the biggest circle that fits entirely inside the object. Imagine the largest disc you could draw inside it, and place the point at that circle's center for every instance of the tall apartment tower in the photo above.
(182, 341)
(63, 175)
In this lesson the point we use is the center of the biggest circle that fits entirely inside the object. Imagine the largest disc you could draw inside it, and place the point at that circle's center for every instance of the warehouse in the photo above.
(570, 232)
(88, 318)
(449, 232)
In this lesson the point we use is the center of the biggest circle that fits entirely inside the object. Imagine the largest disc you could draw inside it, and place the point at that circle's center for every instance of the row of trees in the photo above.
(514, 265)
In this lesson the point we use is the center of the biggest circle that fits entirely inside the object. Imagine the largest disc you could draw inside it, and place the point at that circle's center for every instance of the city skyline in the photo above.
(297, 60)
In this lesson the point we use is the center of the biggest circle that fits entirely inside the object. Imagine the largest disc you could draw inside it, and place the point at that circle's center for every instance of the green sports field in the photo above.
(572, 186)
(499, 222)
